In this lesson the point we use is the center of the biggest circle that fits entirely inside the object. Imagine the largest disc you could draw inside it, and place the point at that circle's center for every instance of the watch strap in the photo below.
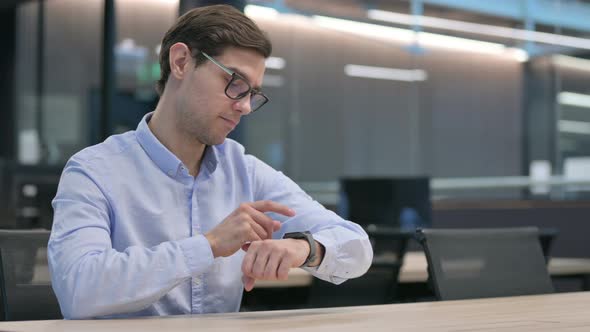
(309, 238)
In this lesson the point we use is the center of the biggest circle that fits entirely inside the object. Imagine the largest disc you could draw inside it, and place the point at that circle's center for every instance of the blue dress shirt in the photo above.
(128, 231)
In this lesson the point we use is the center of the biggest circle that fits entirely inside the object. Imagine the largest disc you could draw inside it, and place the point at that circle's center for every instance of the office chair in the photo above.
(378, 285)
(547, 236)
(25, 284)
(478, 263)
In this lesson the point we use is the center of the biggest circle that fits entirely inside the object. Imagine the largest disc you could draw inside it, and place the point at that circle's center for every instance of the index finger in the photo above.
(270, 206)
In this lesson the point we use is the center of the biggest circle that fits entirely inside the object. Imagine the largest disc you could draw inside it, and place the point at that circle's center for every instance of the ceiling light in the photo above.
(260, 11)
(383, 73)
(574, 99)
(574, 127)
(423, 38)
(274, 62)
(482, 29)
(571, 62)
(364, 29)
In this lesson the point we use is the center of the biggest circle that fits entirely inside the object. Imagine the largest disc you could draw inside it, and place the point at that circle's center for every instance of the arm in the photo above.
(92, 279)
(344, 248)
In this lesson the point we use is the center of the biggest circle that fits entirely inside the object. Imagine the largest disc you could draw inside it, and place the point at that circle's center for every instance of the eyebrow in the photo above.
(245, 76)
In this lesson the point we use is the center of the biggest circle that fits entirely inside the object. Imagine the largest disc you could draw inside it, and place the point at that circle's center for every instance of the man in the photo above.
(174, 218)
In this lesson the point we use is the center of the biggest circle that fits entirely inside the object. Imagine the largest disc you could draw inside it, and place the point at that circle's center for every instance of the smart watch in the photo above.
(309, 238)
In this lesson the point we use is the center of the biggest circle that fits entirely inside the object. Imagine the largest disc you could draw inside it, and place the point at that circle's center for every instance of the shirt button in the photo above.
(197, 281)
(170, 173)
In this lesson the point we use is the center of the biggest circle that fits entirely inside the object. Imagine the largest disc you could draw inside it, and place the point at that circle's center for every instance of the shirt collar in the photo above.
(210, 159)
(164, 158)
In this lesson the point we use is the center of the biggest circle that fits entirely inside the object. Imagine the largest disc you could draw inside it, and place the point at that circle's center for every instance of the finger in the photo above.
(251, 237)
(270, 272)
(263, 221)
(283, 269)
(248, 283)
(276, 225)
(262, 231)
(270, 206)
(260, 263)
(248, 261)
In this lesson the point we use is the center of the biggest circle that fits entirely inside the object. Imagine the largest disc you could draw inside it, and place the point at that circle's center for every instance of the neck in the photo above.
(163, 125)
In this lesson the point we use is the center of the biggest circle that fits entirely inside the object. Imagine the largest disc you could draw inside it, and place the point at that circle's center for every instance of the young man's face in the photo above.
(206, 112)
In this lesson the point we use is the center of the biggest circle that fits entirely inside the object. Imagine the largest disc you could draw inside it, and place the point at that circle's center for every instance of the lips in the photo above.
(231, 122)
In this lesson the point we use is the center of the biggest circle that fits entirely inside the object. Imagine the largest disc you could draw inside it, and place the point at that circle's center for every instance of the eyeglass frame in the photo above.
(233, 74)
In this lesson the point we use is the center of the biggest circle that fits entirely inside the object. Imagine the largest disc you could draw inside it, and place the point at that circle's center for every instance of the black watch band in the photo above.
(309, 238)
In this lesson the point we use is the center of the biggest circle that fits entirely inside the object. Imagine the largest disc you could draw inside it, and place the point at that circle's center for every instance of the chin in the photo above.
(217, 140)
(221, 141)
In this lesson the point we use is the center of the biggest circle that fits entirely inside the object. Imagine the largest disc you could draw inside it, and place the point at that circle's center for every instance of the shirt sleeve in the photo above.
(92, 279)
(348, 251)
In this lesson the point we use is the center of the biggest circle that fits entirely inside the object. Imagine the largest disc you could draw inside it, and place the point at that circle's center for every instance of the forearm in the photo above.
(91, 283)
(347, 252)
(343, 248)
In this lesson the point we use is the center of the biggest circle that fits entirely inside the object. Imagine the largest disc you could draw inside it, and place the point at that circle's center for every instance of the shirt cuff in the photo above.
(326, 268)
(197, 254)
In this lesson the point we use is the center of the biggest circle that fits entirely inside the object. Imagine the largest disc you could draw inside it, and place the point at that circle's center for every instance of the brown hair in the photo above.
(211, 29)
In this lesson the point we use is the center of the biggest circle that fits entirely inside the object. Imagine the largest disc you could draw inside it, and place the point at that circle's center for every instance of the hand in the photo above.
(272, 259)
(247, 223)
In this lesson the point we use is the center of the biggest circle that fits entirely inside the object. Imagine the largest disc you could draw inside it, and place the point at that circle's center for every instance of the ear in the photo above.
(180, 60)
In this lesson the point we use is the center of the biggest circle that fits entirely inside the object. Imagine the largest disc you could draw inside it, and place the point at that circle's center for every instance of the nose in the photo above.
(243, 105)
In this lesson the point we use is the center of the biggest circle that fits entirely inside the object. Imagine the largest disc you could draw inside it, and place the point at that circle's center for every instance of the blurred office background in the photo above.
(488, 100)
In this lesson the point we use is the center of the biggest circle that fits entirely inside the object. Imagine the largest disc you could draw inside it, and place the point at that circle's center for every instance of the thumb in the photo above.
(248, 282)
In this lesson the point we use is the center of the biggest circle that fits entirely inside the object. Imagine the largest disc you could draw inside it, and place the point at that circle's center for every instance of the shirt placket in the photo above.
(197, 285)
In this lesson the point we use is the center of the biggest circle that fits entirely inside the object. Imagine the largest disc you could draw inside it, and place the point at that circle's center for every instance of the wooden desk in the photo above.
(554, 312)
(415, 270)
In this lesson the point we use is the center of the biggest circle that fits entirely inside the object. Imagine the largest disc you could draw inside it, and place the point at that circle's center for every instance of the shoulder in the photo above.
(107, 153)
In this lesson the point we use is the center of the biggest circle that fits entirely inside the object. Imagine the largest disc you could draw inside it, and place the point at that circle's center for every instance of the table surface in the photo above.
(553, 312)
(415, 270)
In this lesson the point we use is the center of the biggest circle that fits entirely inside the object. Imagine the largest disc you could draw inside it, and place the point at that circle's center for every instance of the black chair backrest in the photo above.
(378, 285)
(478, 263)
(25, 284)
(547, 236)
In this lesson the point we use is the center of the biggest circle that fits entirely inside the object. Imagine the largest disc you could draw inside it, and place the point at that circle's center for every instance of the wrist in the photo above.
(319, 256)
(307, 237)
(213, 243)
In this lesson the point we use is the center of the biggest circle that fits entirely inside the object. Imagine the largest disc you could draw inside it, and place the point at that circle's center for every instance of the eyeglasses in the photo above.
(238, 87)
